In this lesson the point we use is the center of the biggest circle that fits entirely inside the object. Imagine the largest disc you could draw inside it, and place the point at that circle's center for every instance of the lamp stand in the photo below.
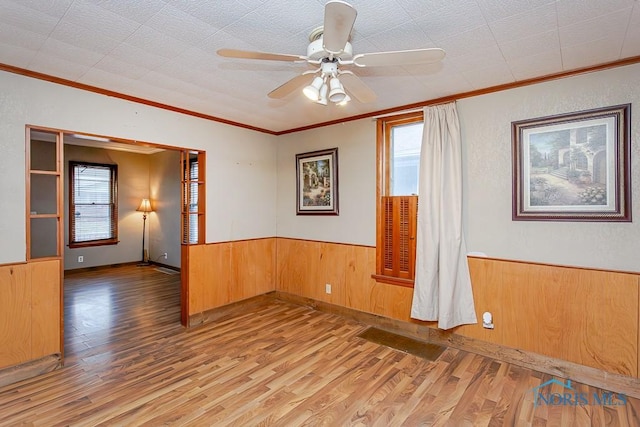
(145, 258)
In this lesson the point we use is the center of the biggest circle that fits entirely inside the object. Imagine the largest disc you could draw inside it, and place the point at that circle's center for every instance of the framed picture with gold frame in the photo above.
(317, 182)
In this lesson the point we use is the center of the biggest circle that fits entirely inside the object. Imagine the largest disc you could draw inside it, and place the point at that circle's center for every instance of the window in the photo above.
(399, 142)
(93, 210)
(193, 197)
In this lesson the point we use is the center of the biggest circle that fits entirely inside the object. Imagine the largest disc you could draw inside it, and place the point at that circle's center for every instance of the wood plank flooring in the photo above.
(130, 363)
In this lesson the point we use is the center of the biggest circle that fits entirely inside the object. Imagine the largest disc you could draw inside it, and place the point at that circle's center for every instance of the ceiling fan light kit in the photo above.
(346, 99)
(337, 93)
(317, 90)
(322, 100)
(330, 49)
(313, 90)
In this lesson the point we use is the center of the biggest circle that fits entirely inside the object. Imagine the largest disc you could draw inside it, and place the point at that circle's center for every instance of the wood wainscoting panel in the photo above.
(589, 317)
(607, 311)
(15, 314)
(218, 289)
(223, 273)
(46, 292)
(363, 292)
(584, 316)
(305, 267)
(197, 273)
(297, 268)
(253, 266)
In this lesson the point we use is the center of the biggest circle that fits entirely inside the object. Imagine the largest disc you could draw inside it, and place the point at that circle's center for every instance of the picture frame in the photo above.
(573, 167)
(317, 182)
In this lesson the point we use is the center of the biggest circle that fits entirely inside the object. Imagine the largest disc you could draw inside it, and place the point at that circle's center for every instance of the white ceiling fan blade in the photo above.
(339, 17)
(400, 57)
(357, 88)
(290, 86)
(246, 54)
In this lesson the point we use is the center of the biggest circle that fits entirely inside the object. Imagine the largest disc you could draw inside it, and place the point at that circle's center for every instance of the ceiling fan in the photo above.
(331, 51)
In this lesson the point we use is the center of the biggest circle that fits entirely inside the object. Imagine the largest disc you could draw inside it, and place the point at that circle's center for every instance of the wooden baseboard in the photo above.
(548, 365)
(31, 369)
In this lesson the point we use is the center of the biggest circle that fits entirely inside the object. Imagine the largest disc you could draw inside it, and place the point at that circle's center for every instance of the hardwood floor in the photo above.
(129, 362)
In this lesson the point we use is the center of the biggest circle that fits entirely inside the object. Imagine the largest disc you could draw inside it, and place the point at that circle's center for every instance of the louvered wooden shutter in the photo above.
(399, 215)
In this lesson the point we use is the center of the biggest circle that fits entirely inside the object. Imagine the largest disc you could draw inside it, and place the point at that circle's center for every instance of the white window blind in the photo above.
(190, 231)
(93, 202)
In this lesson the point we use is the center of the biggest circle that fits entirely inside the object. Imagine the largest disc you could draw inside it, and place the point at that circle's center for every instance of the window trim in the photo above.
(114, 215)
(384, 127)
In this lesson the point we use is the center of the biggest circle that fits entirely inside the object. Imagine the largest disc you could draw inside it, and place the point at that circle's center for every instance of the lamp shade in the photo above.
(313, 90)
(322, 98)
(145, 206)
(345, 101)
(337, 93)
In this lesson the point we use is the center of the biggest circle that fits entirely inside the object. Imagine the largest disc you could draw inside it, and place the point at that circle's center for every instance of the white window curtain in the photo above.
(442, 290)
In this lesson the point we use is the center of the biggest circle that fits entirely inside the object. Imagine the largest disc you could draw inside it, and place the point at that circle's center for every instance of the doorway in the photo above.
(172, 178)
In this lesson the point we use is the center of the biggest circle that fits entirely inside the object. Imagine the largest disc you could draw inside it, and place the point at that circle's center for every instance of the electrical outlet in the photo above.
(164, 255)
(80, 258)
(327, 288)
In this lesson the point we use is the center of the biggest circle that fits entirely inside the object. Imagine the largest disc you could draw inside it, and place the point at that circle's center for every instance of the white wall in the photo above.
(356, 142)
(240, 162)
(485, 122)
(486, 131)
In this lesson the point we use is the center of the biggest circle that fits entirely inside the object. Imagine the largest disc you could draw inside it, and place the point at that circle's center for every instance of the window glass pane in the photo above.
(93, 222)
(92, 184)
(405, 158)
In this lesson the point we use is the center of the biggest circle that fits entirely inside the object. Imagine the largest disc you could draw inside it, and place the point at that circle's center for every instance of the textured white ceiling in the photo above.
(165, 51)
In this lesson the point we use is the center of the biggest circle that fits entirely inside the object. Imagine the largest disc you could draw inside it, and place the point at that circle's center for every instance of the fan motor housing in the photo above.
(315, 51)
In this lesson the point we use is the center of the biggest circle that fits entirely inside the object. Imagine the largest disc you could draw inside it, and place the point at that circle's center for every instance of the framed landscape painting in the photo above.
(573, 167)
(317, 182)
